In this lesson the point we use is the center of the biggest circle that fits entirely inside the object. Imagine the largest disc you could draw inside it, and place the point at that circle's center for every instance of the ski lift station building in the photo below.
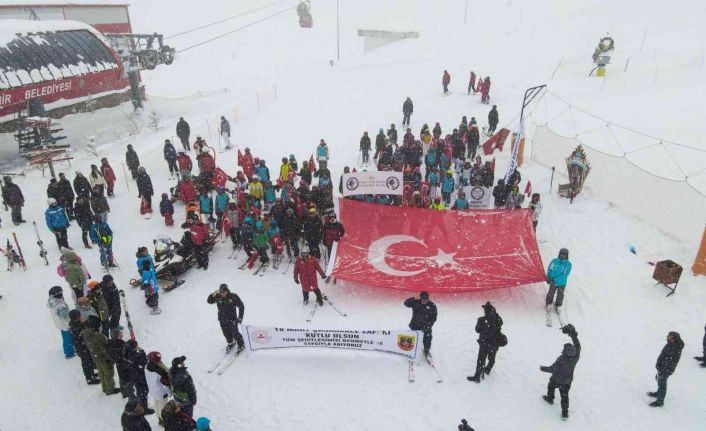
(55, 53)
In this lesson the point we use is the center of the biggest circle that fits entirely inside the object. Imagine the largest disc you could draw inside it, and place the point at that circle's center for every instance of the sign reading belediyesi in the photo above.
(399, 343)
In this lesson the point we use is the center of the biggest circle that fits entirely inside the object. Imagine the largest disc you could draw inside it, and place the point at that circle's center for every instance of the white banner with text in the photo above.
(399, 343)
(372, 183)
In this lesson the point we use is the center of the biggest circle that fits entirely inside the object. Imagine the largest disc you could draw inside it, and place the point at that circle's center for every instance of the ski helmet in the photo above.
(56, 292)
(203, 424)
(92, 284)
(564, 252)
(154, 357)
(259, 225)
(51, 201)
(248, 220)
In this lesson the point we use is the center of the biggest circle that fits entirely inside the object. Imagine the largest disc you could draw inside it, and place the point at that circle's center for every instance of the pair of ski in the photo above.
(225, 362)
(551, 310)
(410, 371)
(235, 253)
(331, 304)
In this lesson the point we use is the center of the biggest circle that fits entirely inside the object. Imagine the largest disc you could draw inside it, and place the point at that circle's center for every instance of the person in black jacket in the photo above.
(489, 340)
(175, 419)
(702, 359)
(423, 317)
(112, 300)
(12, 197)
(407, 109)
(473, 141)
(183, 387)
(365, 146)
(87, 365)
(133, 418)
(183, 131)
(136, 362)
(313, 230)
(144, 186)
(82, 185)
(666, 364)
(170, 156)
(67, 194)
(230, 314)
(464, 426)
(291, 228)
(493, 120)
(499, 195)
(562, 370)
(132, 161)
(84, 218)
(116, 352)
(99, 204)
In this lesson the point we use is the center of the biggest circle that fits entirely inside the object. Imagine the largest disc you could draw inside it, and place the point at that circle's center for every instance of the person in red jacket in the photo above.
(184, 164)
(333, 231)
(108, 175)
(445, 81)
(199, 236)
(247, 162)
(485, 91)
(187, 190)
(305, 268)
(472, 83)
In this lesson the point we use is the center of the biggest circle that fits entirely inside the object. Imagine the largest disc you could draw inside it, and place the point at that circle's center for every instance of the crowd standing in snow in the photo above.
(267, 216)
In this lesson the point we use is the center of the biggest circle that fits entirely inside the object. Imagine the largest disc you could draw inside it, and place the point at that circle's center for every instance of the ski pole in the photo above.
(551, 181)
(126, 181)
(127, 314)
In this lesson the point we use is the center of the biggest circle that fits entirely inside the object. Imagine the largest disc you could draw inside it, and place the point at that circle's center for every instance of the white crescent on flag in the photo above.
(378, 250)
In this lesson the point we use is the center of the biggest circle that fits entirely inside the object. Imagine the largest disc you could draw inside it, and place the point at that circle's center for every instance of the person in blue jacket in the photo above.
(461, 202)
(102, 235)
(222, 199)
(57, 222)
(151, 287)
(429, 162)
(262, 171)
(143, 255)
(557, 277)
(270, 195)
(447, 186)
(206, 205)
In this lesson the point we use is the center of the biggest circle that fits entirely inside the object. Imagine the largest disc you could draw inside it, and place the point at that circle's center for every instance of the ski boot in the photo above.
(547, 399)
(230, 346)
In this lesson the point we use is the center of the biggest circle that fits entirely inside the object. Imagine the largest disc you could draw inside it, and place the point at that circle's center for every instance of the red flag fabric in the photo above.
(219, 178)
(496, 141)
(417, 249)
(492, 165)
(528, 188)
(312, 164)
(240, 158)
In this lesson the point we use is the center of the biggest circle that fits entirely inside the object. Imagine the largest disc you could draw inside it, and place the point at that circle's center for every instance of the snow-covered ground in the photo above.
(621, 317)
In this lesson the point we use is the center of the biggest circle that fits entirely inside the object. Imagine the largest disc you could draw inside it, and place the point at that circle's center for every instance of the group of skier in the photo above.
(482, 86)
(92, 332)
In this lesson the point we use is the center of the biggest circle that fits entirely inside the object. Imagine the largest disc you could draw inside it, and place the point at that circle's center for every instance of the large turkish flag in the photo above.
(439, 251)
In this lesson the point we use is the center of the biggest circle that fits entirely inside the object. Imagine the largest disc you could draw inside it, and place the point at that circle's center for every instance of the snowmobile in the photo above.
(172, 259)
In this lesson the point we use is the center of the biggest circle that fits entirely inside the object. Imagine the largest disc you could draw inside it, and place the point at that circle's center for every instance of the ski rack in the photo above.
(138, 51)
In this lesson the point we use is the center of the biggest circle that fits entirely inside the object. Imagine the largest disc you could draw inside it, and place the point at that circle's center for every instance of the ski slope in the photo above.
(621, 317)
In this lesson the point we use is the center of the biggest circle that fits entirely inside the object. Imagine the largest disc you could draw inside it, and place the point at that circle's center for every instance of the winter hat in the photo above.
(107, 278)
(203, 424)
(154, 357)
(74, 315)
(424, 295)
(131, 344)
(178, 361)
(488, 307)
(131, 405)
(56, 292)
(223, 288)
(92, 284)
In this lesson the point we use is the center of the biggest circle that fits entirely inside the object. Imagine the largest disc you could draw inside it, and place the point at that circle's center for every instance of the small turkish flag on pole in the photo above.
(528, 188)
(312, 164)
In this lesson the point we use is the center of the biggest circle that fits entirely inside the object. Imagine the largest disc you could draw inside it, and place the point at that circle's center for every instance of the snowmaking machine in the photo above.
(602, 54)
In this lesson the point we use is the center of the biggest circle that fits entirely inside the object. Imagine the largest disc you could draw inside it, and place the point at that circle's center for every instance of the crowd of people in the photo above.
(292, 213)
